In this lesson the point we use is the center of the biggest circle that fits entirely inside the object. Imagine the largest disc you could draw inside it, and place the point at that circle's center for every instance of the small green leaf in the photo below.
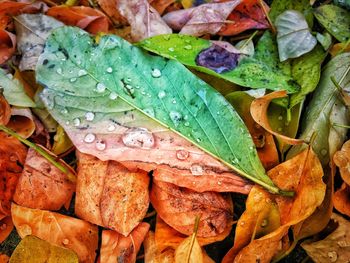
(99, 82)
(250, 72)
(324, 39)
(336, 20)
(14, 92)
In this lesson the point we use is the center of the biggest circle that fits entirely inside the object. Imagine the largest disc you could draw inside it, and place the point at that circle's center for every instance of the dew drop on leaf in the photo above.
(100, 145)
(182, 155)
(76, 122)
(89, 138)
(111, 127)
(156, 73)
(161, 94)
(188, 47)
(82, 72)
(113, 96)
(196, 169)
(109, 70)
(59, 71)
(89, 116)
(175, 117)
(73, 80)
(100, 87)
(138, 138)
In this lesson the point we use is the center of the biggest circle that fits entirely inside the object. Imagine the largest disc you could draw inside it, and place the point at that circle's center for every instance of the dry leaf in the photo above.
(341, 199)
(179, 207)
(34, 250)
(87, 18)
(110, 8)
(42, 185)
(152, 254)
(335, 247)
(61, 230)
(338, 48)
(118, 248)
(161, 5)
(143, 19)
(189, 251)
(6, 227)
(7, 45)
(22, 122)
(110, 195)
(4, 258)
(342, 160)
(5, 110)
(258, 110)
(204, 19)
(62, 143)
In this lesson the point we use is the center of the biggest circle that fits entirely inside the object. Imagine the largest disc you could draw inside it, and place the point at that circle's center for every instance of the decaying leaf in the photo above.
(110, 195)
(293, 35)
(92, 20)
(4, 258)
(61, 230)
(339, 48)
(341, 199)
(32, 31)
(22, 122)
(258, 110)
(152, 254)
(179, 207)
(335, 247)
(34, 250)
(7, 45)
(161, 5)
(5, 110)
(12, 157)
(200, 20)
(342, 159)
(143, 18)
(6, 226)
(110, 8)
(42, 185)
(118, 248)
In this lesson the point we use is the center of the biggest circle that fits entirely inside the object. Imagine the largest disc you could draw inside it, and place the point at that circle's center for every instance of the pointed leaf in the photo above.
(189, 251)
(163, 90)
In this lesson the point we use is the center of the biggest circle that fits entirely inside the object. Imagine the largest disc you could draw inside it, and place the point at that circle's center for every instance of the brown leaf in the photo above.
(152, 254)
(22, 122)
(179, 207)
(118, 248)
(42, 185)
(161, 5)
(87, 18)
(6, 227)
(189, 251)
(110, 195)
(167, 237)
(7, 45)
(335, 247)
(204, 19)
(341, 199)
(342, 159)
(110, 8)
(61, 230)
(258, 110)
(5, 110)
(143, 19)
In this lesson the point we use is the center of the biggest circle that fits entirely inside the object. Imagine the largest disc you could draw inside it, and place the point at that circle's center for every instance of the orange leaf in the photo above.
(342, 160)
(247, 15)
(179, 208)
(6, 227)
(64, 231)
(161, 5)
(341, 199)
(258, 110)
(42, 185)
(5, 110)
(22, 122)
(7, 45)
(117, 248)
(336, 48)
(84, 17)
(110, 8)
(152, 254)
(110, 195)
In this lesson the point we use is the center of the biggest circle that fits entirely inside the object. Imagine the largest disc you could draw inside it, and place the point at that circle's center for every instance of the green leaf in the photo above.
(293, 35)
(336, 20)
(306, 70)
(324, 39)
(14, 92)
(325, 106)
(343, 3)
(250, 72)
(105, 82)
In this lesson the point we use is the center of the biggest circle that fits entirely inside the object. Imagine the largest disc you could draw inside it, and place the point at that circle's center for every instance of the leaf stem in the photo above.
(273, 29)
(340, 125)
(249, 39)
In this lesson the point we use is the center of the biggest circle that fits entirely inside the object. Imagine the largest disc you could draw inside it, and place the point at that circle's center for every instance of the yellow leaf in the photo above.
(189, 251)
(62, 143)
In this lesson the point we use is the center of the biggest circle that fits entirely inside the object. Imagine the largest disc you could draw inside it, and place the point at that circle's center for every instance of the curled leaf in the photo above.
(293, 35)
(341, 199)
(258, 110)
(42, 185)
(34, 250)
(179, 207)
(22, 122)
(62, 143)
(7, 45)
(61, 230)
(110, 195)
(200, 20)
(342, 159)
(161, 5)
(5, 110)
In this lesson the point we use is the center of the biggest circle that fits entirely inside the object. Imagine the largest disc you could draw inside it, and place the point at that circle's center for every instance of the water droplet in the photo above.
(100, 145)
(59, 71)
(73, 80)
(113, 96)
(64, 111)
(242, 223)
(166, 37)
(138, 138)
(161, 94)
(264, 223)
(188, 47)
(128, 80)
(174, 101)
(182, 154)
(130, 89)
(76, 122)
(196, 169)
(111, 127)
(89, 138)
(171, 49)
(149, 111)
(78, 62)
(82, 72)
(333, 256)
(89, 116)
(156, 73)
(219, 183)
(67, 122)
(187, 41)
(176, 117)
(280, 117)
(187, 124)
(65, 241)
(100, 87)
(324, 152)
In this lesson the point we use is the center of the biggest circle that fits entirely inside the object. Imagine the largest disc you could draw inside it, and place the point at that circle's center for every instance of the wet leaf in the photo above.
(14, 92)
(203, 19)
(258, 110)
(143, 18)
(61, 230)
(158, 84)
(317, 118)
(341, 199)
(7, 46)
(293, 35)
(341, 159)
(62, 143)
(343, 3)
(32, 31)
(110, 195)
(92, 20)
(261, 71)
(179, 207)
(42, 185)
(118, 248)
(247, 15)
(335, 247)
(335, 20)
(34, 250)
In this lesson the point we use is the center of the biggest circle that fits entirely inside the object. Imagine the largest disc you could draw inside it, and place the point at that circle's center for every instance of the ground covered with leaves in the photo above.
(174, 131)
